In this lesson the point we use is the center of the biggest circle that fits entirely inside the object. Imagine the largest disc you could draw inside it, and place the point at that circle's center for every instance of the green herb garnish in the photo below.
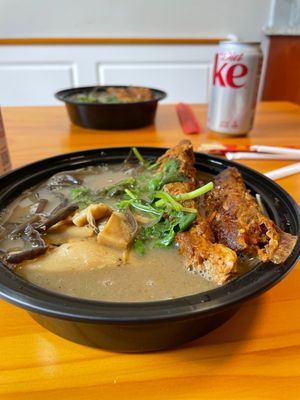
(102, 98)
(162, 234)
(145, 163)
(195, 193)
(144, 195)
(84, 196)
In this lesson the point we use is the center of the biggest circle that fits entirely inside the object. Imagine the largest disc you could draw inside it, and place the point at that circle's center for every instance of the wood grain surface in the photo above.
(255, 355)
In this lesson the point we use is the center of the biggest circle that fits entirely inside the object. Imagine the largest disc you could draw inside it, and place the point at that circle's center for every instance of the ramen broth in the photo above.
(85, 272)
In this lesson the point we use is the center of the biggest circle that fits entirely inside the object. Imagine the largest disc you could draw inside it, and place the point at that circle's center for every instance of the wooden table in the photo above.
(255, 355)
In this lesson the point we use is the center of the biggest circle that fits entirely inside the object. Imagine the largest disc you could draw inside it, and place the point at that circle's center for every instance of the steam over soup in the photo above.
(139, 231)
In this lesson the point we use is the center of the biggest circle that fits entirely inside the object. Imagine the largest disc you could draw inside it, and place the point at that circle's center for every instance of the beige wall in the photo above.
(134, 18)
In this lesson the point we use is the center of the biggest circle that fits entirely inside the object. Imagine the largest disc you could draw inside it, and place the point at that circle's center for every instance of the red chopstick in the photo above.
(187, 118)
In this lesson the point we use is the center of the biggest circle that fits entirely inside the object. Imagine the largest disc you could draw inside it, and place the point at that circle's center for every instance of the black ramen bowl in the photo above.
(144, 326)
(109, 116)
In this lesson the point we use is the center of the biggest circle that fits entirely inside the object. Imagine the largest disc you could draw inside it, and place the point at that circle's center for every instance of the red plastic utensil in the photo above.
(187, 118)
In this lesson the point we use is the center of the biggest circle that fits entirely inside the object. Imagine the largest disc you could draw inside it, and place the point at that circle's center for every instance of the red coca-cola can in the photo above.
(235, 81)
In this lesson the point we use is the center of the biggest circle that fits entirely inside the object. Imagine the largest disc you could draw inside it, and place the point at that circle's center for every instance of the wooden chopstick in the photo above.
(187, 119)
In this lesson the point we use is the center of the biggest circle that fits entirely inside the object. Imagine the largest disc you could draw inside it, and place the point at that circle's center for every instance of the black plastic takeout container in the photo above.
(112, 116)
(144, 326)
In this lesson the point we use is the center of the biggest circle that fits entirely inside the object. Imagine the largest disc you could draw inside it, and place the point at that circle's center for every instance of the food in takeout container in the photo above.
(115, 95)
(144, 249)
(111, 107)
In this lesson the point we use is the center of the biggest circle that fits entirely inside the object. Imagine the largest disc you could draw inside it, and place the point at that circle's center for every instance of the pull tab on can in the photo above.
(5, 164)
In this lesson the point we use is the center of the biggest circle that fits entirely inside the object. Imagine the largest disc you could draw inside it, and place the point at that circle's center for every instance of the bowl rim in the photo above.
(63, 94)
(16, 290)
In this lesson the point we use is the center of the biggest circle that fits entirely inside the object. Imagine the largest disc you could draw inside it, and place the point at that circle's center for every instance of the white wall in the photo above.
(133, 18)
(37, 72)
(285, 18)
(182, 71)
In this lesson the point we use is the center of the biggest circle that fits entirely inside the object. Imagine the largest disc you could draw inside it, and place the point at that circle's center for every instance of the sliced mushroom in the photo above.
(63, 179)
(63, 223)
(92, 222)
(2, 231)
(39, 207)
(54, 218)
(18, 257)
(119, 231)
(63, 202)
(30, 234)
(132, 222)
(21, 228)
(33, 236)
(90, 213)
(3, 260)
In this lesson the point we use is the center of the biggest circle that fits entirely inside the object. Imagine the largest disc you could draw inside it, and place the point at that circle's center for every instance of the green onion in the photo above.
(146, 209)
(173, 200)
(189, 210)
(153, 166)
(130, 194)
(138, 155)
(195, 193)
(160, 203)
(167, 198)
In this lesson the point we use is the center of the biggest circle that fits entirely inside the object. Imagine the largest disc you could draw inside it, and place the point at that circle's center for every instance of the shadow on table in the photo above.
(227, 339)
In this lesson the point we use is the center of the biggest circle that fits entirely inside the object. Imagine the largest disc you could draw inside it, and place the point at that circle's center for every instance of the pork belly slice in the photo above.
(237, 221)
(213, 261)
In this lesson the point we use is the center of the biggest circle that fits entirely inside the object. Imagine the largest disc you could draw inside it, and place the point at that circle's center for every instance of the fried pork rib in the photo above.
(238, 223)
(214, 261)
(184, 153)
